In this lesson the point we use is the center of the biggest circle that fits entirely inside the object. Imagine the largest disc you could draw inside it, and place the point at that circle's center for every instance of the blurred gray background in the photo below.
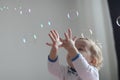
(24, 28)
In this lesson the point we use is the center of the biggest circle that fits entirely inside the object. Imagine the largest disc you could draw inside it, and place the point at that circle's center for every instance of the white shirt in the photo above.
(84, 71)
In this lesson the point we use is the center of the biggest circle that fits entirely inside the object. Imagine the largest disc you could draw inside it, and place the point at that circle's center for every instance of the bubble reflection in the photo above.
(21, 12)
(91, 32)
(34, 36)
(72, 14)
(118, 21)
(82, 35)
(29, 38)
(49, 23)
(41, 25)
(29, 10)
(24, 40)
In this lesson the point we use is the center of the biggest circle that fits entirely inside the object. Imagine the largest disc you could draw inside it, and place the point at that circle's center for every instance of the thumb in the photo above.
(49, 44)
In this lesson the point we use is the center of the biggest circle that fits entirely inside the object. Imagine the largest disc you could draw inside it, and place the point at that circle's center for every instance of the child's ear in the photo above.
(94, 61)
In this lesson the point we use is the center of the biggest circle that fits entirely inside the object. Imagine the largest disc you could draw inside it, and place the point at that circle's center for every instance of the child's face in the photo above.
(83, 47)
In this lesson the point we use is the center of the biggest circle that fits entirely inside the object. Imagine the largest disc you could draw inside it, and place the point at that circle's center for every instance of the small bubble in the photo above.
(21, 12)
(77, 13)
(34, 36)
(82, 35)
(1, 9)
(68, 15)
(118, 21)
(29, 10)
(15, 9)
(24, 40)
(41, 25)
(72, 14)
(7, 7)
(49, 23)
(91, 32)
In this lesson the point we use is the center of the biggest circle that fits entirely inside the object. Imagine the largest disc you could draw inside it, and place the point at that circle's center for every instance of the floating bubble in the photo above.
(15, 9)
(118, 20)
(1, 9)
(91, 32)
(34, 36)
(21, 12)
(99, 43)
(72, 14)
(7, 7)
(82, 35)
(29, 38)
(77, 13)
(24, 40)
(68, 15)
(49, 23)
(41, 25)
(29, 10)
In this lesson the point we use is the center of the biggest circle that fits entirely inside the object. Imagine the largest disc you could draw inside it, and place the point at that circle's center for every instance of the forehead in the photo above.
(82, 42)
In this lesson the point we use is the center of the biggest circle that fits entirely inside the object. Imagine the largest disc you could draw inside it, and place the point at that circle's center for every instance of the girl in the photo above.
(84, 57)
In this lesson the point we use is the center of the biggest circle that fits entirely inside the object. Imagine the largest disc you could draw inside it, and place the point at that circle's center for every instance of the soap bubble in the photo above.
(118, 20)
(49, 23)
(82, 35)
(68, 15)
(77, 13)
(29, 10)
(99, 43)
(15, 9)
(91, 32)
(72, 14)
(24, 40)
(1, 9)
(29, 38)
(21, 12)
(7, 7)
(41, 25)
(34, 36)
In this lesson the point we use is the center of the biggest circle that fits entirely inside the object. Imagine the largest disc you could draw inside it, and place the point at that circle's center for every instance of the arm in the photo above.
(84, 70)
(53, 63)
(55, 68)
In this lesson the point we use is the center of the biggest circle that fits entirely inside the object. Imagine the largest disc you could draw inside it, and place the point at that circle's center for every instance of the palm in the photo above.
(55, 39)
(69, 40)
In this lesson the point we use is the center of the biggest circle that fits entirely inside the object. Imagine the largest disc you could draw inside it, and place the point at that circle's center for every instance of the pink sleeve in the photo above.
(84, 70)
(55, 68)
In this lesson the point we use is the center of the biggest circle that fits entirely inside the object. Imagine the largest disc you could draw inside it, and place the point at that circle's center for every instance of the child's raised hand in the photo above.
(69, 41)
(56, 43)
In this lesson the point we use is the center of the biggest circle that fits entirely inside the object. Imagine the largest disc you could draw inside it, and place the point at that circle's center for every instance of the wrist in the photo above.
(53, 53)
(73, 52)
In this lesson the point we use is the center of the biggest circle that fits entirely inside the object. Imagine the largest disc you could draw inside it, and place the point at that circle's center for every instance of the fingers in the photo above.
(66, 36)
(70, 33)
(53, 35)
(56, 33)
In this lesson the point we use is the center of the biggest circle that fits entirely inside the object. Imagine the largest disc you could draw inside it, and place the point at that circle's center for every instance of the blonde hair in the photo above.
(96, 53)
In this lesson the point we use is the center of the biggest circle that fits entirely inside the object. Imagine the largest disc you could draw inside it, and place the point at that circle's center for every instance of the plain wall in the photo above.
(28, 61)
